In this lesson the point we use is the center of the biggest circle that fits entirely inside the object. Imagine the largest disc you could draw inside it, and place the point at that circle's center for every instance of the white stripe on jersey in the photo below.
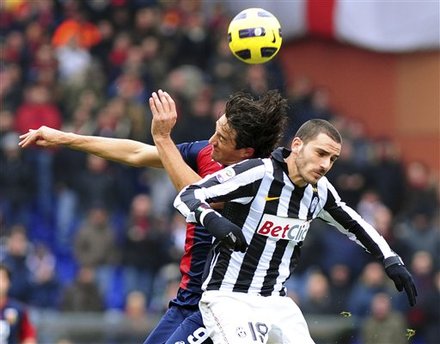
(305, 202)
(286, 193)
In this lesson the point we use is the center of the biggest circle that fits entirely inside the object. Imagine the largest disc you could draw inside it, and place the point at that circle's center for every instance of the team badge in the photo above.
(225, 174)
(241, 333)
(314, 203)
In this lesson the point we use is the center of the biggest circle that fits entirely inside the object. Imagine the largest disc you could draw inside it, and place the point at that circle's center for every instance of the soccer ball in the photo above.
(254, 35)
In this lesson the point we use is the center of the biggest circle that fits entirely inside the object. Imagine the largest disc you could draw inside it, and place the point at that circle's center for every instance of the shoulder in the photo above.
(194, 147)
(198, 156)
(256, 167)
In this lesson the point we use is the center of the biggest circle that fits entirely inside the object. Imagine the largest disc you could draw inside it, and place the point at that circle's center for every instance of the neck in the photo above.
(294, 176)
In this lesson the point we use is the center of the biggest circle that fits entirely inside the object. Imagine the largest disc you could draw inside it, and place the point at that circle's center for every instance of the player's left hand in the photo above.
(401, 277)
(164, 113)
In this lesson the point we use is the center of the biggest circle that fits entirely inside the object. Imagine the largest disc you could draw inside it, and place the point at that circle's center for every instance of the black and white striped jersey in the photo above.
(274, 215)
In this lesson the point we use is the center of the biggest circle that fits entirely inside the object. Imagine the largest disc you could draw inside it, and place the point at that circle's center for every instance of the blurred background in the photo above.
(94, 246)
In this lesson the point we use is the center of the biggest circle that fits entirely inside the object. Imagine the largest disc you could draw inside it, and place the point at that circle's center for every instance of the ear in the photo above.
(247, 153)
(296, 145)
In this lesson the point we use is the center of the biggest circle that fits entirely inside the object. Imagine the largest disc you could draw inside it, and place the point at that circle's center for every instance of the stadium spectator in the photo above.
(317, 299)
(386, 174)
(136, 313)
(95, 246)
(340, 284)
(16, 253)
(45, 284)
(384, 325)
(15, 324)
(97, 185)
(431, 330)
(82, 294)
(347, 176)
(420, 232)
(17, 182)
(39, 109)
(370, 282)
(145, 247)
(421, 193)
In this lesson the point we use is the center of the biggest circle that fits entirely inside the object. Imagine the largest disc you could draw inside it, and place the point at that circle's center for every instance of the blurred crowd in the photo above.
(84, 234)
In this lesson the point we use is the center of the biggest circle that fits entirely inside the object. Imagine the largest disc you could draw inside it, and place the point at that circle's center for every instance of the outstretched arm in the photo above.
(124, 151)
(164, 113)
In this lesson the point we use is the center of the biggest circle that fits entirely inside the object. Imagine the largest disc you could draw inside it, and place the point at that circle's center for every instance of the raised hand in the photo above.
(164, 113)
(43, 136)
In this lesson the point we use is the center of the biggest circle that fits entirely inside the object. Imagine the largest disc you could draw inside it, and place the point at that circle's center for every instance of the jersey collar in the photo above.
(279, 155)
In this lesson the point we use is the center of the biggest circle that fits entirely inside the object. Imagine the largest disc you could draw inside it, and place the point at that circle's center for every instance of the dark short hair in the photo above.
(312, 128)
(258, 123)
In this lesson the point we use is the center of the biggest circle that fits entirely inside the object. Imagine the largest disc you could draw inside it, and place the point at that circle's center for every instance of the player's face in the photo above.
(223, 143)
(312, 160)
(4, 283)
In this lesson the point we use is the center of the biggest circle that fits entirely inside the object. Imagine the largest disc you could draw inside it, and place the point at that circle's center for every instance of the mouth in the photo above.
(317, 174)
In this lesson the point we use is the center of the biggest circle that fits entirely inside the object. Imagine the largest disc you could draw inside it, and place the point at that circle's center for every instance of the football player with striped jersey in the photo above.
(270, 204)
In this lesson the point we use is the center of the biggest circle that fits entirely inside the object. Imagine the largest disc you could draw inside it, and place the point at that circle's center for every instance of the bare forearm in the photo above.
(123, 151)
(179, 172)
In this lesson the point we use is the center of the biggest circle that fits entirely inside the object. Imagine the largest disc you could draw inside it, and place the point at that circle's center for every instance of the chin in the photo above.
(216, 158)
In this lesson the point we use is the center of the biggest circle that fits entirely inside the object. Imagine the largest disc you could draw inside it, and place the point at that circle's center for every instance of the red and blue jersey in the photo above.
(182, 322)
(15, 326)
(198, 240)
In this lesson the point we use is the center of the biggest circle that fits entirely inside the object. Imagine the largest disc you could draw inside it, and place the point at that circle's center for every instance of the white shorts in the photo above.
(240, 318)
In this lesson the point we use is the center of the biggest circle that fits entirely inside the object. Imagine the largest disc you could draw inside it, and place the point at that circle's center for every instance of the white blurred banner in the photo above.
(381, 25)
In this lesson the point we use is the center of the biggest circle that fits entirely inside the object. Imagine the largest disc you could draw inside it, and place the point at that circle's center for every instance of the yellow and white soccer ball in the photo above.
(254, 35)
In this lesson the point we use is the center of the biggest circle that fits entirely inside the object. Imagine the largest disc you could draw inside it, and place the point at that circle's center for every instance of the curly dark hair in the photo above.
(258, 123)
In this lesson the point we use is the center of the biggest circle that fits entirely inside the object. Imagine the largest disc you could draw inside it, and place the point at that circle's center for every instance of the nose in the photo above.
(212, 140)
(326, 163)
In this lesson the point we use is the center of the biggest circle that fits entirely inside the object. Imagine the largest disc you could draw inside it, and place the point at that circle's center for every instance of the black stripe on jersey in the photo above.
(246, 165)
(243, 191)
(295, 201)
(275, 190)
(220, 267)
(270, 278)
(236, 212)
(294, 260)
(250, 261)
(352, 226)
(258, 242)
(208, 183)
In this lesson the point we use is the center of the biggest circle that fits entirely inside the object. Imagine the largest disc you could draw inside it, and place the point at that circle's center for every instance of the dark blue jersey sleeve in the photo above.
(190, 152)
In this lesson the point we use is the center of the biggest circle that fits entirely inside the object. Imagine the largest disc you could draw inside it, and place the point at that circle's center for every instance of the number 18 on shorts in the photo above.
(240, 318)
